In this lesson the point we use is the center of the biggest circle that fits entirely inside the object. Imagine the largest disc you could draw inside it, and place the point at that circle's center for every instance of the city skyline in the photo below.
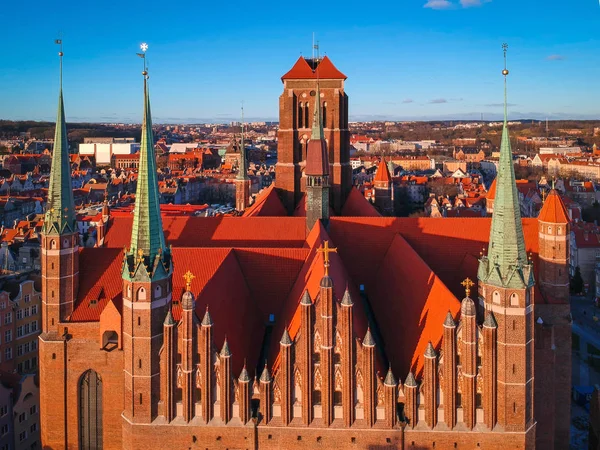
(396, 67)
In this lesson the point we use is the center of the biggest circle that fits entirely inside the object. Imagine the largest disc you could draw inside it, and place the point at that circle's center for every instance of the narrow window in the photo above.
(324, 114)
(139, 363)
(140, 398)
(300, 115)
(139, 321)
(306, 115)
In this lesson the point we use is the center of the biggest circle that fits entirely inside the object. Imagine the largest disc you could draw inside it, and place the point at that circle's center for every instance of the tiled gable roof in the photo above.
(302, 70)
(267, 203)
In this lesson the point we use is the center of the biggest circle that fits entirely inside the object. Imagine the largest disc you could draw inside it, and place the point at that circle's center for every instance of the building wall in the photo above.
(28, 319)
(26, 415)
(293, 138)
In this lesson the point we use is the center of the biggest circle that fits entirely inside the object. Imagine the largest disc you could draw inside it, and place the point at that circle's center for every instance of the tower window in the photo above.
(496, 297)
(139, 321)
(306, 115)
(300, 110)
(324, 114)
(317, 397)
(140, 398)
(140, 363)
(514, 300)
(337, 398)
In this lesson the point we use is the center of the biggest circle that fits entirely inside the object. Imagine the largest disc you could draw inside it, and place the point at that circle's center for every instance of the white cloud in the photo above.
(438, 101)
(438, 4)
(556, 58)
(408, 100)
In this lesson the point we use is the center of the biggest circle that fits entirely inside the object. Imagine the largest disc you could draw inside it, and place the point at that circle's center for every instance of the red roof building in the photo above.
(266, 331)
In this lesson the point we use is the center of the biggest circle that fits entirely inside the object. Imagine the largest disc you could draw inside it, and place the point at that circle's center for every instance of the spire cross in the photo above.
(144, 48)
(467, 283)
(326, 250)
(188, 277)
(505, 73)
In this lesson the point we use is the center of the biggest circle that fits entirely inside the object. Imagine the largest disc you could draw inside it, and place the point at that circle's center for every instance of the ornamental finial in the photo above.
(140, 254)
(188, 277)
(144, 48)
(505, 48)
(326, 250)
(467, 283)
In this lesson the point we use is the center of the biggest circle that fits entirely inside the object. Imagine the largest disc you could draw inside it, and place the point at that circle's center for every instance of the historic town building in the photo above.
(336, 327)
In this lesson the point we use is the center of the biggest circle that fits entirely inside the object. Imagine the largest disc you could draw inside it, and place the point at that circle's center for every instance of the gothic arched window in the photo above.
(496, 297)
(141, 294)
(324, 114)
(306, 115)
(90, 411)
(514, 300)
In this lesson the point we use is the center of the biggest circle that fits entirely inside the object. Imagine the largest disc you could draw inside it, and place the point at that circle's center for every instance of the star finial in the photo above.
(140, 254)
(326, 250)
(188, 277)
(467, 283)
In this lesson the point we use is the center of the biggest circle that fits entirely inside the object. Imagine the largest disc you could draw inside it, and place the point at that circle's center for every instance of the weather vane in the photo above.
(144, 48)
(505, 48)
(60, 54)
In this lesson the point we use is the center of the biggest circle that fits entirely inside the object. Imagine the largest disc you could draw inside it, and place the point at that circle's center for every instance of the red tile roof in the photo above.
(422, 304)
(492, 192)
(267, 204)
(383, 174)
(190, 231)
(302, 70)
(554, 210)
(358, 206)
(450, 247)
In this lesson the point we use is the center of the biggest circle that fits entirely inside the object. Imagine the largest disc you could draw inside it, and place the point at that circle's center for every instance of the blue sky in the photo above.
(411, 59)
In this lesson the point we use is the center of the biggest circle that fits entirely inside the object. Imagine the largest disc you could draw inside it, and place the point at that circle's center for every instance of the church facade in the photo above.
(309, 322)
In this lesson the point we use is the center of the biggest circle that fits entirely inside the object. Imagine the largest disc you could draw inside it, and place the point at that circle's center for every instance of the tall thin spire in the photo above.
(243, 171)
(60, 211)
(147, 239)
(317, 125)
(506, 255)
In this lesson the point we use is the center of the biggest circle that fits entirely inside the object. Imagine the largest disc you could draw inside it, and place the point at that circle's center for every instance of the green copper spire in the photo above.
(243, 170)
(60, 211)
(506, 263)
(148, 248)
(317, 125)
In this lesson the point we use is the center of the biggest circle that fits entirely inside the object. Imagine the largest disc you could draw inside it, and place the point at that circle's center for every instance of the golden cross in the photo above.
(140, 253)
(188, 277)
(326, 250)
(467, 284)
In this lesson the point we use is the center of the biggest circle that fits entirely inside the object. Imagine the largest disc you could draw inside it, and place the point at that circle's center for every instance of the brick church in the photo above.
(310, 321)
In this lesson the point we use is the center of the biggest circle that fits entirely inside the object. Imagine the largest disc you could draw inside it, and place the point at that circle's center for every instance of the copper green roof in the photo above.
(506, 264)
(317, 125)
(60, 209)
(148, 248)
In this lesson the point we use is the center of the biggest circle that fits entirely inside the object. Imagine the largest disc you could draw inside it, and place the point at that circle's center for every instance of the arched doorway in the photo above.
(90, 411)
